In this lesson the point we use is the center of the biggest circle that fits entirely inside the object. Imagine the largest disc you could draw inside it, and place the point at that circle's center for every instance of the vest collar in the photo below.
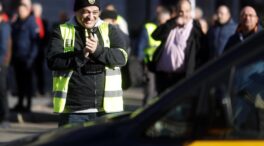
(74, 22)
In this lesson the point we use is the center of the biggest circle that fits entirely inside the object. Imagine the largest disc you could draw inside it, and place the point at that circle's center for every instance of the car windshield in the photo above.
(248, 95)
(229, 97)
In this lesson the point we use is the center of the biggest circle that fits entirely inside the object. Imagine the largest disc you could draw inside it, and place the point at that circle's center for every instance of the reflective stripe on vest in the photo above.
(152, 44)
(61, 79)
(113, 94)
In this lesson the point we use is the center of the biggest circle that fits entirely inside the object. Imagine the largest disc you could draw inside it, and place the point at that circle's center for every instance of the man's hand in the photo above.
(91, 43)
(180, 21)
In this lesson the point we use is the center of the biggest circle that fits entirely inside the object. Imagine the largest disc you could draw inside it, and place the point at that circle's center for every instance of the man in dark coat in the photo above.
(248, 26)
(182, 49)
(247, 76)
(219, 34)
(24, 35)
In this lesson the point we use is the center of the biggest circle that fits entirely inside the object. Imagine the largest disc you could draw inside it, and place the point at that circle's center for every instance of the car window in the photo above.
(233, 105)
(217, 105)
(201, 107)
(176, 123)
(248, 96)
(237, 102)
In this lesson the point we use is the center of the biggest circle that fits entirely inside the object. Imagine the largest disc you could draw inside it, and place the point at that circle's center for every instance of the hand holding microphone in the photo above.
(91, 42)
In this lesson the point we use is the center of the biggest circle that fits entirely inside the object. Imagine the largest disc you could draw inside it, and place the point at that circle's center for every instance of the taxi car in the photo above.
(222, 104)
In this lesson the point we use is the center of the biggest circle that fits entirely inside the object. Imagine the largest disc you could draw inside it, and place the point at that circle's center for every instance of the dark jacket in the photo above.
(239, 37)
(218, 36)
(196, 51)
(5, 36)
(24, 36)
(86, 86)
(143, 42)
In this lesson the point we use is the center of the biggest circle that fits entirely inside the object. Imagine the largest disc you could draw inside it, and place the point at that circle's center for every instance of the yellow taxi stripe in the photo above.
(228, 143)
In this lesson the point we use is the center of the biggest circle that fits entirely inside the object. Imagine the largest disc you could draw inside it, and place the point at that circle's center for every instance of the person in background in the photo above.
(120, 20)
(40, 63)
(63, 17)
(198, 13)
(27, 3)
(199, 17)
(110, 16)
(24, 36)
(146, 48)
(182, 49)
(248, 26)
(163, 14)
(219, 34)
(85, 55)
(37, 11)
(5, 56)
(248, 76)
(4, 16)
(12, 85)
(204, 26)
(213, 20)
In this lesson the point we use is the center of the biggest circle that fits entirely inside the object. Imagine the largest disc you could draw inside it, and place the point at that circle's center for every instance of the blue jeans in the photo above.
(76, 118)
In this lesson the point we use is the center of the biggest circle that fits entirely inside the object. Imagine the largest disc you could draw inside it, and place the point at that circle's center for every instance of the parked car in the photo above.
(221, 104)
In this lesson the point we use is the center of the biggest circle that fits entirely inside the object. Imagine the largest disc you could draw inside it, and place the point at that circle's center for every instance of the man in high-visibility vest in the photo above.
(85, 55)
(147, 47)
(121, 22)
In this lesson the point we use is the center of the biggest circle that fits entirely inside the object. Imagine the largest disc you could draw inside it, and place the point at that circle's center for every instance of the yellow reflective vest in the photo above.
(152, 44)
(113, 94)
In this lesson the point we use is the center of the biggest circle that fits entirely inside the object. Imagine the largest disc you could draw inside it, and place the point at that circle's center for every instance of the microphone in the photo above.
(86, 33)
(90, 32)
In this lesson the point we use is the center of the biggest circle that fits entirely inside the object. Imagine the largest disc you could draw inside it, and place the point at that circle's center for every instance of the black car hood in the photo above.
(102, 129)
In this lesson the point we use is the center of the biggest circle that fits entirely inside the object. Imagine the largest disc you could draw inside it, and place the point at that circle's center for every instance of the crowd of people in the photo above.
(169, 49)
(24, 37)
(186, 42)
